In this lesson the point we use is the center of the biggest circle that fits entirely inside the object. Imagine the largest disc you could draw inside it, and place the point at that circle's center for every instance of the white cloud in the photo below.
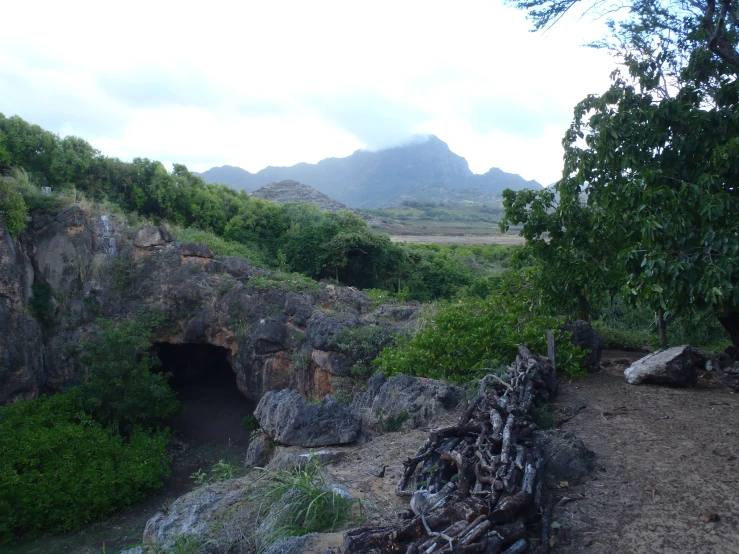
(276, 83)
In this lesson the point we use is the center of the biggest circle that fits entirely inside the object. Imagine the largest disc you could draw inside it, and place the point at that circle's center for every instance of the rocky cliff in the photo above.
(71, 268)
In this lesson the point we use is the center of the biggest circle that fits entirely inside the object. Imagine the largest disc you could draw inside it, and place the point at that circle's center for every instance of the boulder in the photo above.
(404, 401)
(587, 338)
(674, 366)
(192, 516)
(260, 451)
(286, 418)
(152, 236)
(568, 459)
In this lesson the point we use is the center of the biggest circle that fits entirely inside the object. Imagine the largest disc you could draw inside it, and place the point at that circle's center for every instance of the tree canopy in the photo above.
(651, 166)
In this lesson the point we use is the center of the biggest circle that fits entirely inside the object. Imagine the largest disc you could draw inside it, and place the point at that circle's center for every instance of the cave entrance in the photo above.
(213, 407)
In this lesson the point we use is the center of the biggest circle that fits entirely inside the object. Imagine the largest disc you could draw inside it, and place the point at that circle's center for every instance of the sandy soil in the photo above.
(666, 463)
(505, 240)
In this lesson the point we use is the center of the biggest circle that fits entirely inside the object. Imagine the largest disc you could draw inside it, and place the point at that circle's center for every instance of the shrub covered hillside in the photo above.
(293, 237)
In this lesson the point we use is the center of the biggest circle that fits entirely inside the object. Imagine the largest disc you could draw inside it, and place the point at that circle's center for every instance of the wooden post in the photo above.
(550, 348)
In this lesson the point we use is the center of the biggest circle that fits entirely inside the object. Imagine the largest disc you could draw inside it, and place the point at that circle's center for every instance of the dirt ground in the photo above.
(666, 463)
(666, 459)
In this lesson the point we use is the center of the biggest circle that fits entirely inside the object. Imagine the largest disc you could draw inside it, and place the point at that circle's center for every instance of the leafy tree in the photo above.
(657, 155)
(121, 390)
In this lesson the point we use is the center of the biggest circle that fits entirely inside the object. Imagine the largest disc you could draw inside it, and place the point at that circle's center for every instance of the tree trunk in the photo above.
(730, 322)
(662, 326)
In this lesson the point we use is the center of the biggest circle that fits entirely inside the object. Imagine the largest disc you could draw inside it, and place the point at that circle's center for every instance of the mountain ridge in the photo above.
(420, 170)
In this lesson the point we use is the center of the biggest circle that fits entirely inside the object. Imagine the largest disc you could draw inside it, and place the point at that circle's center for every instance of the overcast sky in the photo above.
(264, 83)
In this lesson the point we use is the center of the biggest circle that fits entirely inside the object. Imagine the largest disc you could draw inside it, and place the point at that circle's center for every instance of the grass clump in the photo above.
(307, 503)
(218, 245)
(392, 423)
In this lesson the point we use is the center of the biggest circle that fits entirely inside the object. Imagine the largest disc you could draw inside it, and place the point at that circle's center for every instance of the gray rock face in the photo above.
(299, 307)
(568, 458)
(322, 328)
(260, 451)
(587, 338)
(286, 418)
(418, 399)
(673, 366)
(191, 515)
(287, 458)
(152, 236)
(22, 351)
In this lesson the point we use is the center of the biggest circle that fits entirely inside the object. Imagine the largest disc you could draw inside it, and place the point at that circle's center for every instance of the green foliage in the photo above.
(542, 416)
(221, 471)
(13, 208)
(59, 468)
(120, 389)
(218, 245)
(313, 507)
(392, 423)
(361, 345)
(651, 164)
(250, 423)
(468, 336)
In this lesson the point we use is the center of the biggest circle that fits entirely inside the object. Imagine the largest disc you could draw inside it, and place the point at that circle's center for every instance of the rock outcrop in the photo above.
(404, 401)
(289, 420)
(71, 268)
(674, 366)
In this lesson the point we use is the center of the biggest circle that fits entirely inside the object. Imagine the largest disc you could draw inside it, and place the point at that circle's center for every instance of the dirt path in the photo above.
(666, 460)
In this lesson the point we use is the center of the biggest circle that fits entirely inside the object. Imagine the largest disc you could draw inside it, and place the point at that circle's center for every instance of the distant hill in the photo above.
(425, 169)
(292, 191)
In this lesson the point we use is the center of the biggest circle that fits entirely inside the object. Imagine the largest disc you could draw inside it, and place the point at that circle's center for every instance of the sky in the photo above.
(254, 84)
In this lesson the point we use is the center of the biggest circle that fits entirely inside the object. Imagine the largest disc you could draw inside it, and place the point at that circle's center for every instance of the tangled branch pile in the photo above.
(476, 485)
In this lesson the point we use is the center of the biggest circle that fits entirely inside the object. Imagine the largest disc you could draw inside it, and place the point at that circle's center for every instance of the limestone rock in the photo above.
(286, 418)
(192, 515)
(587, 338)
(289, 458)
(417, 400)
(152, 236)
(260, 451)
(22, 351)
(673, 366)
(322, 328)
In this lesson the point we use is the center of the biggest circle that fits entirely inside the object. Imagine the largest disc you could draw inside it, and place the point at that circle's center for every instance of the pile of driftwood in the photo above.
(475, 486)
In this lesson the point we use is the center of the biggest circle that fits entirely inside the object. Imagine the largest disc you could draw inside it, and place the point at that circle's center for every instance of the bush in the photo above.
(467, 337)
(60, 469)
(121, 390)
(13, 208)
(361, 345)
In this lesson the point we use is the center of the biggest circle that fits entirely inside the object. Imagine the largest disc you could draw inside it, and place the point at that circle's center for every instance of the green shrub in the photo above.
(60, 469)
(393, 423)
(218, 245)
(120, 389)
(361, 345)
(469, 335)
(13, 208)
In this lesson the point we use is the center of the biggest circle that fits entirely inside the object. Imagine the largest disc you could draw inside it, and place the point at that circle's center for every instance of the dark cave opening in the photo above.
(205, 384)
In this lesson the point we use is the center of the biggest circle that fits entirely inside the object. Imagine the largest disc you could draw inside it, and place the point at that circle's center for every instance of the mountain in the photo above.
(292, 191)
(424, 168)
